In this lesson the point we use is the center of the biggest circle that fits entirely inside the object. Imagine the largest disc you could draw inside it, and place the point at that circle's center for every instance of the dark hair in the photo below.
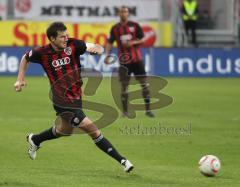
(52, 30)
(122, 7)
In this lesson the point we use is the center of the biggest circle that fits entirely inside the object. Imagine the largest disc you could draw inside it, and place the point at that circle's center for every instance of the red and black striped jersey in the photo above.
(63, 68)
(122, 33)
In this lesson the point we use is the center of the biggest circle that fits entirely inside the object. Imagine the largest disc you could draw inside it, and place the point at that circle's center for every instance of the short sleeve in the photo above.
(139, 32)
(111, 37)
(33, 56)
(80, 47)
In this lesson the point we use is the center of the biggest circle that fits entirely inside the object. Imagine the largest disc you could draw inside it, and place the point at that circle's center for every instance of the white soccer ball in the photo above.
(209, 165)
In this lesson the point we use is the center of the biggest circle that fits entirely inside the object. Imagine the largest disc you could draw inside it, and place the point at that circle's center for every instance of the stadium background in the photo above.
(204, 83)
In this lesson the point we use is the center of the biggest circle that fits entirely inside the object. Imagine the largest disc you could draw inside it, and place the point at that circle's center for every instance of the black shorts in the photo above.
(77, 112)
(126, 70)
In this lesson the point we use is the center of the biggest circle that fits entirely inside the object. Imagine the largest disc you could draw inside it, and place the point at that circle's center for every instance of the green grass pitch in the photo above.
(211, 106)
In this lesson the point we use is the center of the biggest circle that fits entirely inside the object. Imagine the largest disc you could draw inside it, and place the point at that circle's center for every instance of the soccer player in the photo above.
(129, 36)
(59, 59)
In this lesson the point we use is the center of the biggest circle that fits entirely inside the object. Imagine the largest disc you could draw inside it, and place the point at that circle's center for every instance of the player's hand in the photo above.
(18, 85)
(107, 60)
(94, 49)
(110, 59)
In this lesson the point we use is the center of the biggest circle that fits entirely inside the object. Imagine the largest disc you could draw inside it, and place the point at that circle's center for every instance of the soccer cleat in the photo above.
(127, 165)
(32, 149)
(149, 114)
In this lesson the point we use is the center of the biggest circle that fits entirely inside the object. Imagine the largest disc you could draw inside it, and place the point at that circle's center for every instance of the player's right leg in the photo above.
(102, 143)
(61, 127)
(124, 98)
(124, 78)
(34, 140)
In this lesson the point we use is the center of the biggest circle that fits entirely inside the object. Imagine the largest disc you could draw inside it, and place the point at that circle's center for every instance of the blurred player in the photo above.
(59, 59)
(129, 36)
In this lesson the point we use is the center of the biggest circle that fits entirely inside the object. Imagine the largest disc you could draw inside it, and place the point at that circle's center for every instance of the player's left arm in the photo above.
(82, 47)
(139, 37)
(136, 42)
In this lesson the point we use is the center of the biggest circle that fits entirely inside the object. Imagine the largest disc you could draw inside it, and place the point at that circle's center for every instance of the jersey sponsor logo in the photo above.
(61, 62)
(132, 29)
(68, 51)
(126, 37)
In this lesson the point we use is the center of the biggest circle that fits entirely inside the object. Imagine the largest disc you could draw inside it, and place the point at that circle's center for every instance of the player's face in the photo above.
(123, 13)
(60, 41)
